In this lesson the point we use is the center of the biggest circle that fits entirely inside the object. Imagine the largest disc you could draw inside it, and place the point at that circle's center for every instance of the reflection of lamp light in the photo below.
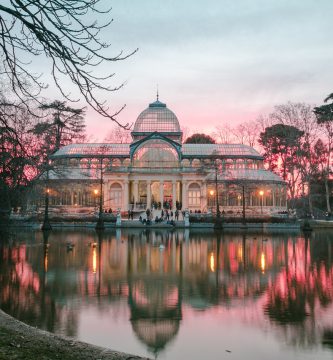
(261, 193)
(212, 262)
(240, 253)
(48, 191)
(94, 260)
(46, 262)
(263, 262)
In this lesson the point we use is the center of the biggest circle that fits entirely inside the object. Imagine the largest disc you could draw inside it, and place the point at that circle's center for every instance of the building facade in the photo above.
(156, 170)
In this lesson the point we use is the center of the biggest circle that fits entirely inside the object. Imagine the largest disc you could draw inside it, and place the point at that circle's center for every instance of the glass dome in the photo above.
(157, 117)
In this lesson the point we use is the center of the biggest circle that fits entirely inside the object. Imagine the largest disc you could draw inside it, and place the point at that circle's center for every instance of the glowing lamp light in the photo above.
(211, 192)
(48, 191)
(261, 193)
(95, 191)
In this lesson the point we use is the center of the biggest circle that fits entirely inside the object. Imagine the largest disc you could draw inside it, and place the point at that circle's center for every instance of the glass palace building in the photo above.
(157, 170)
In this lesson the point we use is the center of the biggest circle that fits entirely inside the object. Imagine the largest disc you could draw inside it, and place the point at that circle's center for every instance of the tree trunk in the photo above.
(327, 193)
(310, 201)
(5, 206)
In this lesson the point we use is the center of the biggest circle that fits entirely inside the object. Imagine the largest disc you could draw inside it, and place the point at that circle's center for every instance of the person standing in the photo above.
(148, 214)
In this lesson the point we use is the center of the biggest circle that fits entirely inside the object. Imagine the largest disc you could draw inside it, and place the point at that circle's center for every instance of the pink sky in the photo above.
(215, 61)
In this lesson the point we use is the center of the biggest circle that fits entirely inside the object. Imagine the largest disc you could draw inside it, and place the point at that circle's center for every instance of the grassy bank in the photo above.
(20, 341)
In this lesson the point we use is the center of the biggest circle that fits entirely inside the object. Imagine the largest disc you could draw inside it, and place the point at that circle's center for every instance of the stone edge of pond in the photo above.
(23, 339)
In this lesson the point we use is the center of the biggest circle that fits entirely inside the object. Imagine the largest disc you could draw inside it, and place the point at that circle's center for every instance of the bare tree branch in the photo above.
(63, 32)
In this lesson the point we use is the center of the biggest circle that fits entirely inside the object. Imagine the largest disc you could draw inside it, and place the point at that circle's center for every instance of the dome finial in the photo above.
(157, 92)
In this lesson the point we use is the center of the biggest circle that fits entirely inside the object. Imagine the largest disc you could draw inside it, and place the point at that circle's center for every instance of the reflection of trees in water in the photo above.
(327, 338)
(22, 289)
(302, 288)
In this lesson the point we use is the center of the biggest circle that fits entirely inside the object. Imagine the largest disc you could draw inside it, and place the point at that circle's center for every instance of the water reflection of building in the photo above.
(201, 272)
(155, 306)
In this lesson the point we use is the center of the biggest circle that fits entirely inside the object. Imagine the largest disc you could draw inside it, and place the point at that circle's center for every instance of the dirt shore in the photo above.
(20, 341)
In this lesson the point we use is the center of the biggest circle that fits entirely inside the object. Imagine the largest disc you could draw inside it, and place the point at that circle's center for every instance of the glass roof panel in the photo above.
(78, 150)
(247, 175)
(219, 150)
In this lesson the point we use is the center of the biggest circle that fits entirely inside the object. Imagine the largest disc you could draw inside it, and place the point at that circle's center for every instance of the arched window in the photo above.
(115, 195)
(156, 154)
(194, 195)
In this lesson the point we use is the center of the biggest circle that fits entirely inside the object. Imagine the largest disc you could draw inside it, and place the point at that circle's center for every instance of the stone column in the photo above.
(126, 195)
(204, 197)
(184, 195)
(174, 195)
(136, 191)
(273, 195)
(148, 194)
(161, 192)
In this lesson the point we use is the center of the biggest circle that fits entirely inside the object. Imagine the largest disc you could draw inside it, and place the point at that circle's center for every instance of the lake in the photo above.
(175, 294)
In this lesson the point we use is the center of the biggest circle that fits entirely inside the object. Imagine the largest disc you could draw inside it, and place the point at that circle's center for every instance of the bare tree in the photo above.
(118, 135)
(264, 121)
(246, 133)
(187, 132)
(223, 134)
(68, 34)
(299, 115)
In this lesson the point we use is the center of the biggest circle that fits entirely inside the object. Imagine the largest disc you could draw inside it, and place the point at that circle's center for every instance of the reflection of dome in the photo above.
(155, 312)
(155, 333)
(157, 117)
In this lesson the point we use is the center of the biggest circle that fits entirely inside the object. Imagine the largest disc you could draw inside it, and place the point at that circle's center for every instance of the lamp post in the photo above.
(218, 223)
(211, 193)
(243, 192)
(261, 193)
(46, 222)
(100, 221)
(95, 198)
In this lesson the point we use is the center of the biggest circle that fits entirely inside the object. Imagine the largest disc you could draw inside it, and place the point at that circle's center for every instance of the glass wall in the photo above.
(156, 154)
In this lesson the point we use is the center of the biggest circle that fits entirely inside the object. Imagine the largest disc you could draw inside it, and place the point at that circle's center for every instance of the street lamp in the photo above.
(261, 193)
(243, 203)
(95, 198)
(100, 221)
(211, 193)
(46, 222)
(218, 223)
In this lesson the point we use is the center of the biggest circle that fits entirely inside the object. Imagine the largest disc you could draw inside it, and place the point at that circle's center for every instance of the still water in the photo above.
(175, 295)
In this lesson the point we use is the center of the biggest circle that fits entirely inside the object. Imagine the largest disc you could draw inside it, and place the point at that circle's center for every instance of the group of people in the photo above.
(166, 215)
(130, 215)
